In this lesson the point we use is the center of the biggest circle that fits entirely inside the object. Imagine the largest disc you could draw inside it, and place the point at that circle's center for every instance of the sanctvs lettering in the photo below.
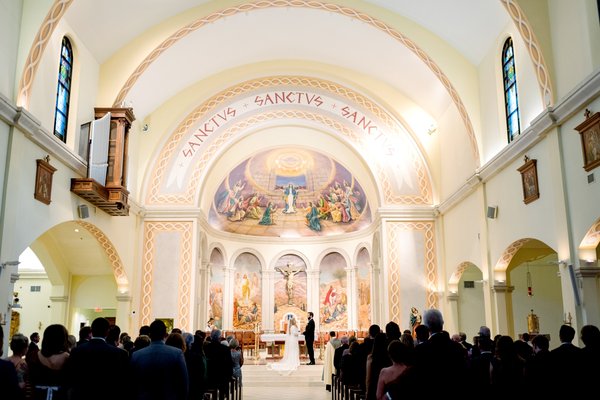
(290, 97)
(207, 128)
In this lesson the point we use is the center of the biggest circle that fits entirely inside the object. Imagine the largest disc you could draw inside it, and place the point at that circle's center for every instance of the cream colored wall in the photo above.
(35, 311)
(463, 235)
(471, 303)
(10, 24)
(575, 43)
(90, 292)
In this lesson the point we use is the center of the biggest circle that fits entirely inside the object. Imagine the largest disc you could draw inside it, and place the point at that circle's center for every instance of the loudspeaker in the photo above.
(83, 211)
(492, 212)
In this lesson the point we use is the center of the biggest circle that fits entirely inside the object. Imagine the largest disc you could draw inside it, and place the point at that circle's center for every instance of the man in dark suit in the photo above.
(159, 371)
(309, 338)
(95, 369)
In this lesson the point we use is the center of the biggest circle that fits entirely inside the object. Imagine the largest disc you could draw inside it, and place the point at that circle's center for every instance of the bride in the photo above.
(291, 357)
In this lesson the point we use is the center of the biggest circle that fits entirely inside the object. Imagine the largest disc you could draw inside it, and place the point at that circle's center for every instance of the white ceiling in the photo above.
(468, 25)
(280, 34)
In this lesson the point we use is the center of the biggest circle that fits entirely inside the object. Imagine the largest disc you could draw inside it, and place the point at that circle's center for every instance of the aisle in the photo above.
(262, 384)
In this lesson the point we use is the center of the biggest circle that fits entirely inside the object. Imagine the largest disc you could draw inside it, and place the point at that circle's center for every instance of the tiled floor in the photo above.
(262, 384)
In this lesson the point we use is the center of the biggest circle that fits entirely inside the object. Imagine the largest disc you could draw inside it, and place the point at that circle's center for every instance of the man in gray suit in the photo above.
(159, 371)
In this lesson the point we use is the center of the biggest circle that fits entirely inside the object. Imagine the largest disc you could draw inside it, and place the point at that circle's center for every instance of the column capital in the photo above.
(587, 272)
(453, 296)
(14, 277)
(502, 288)
(59, 299)
(124, 297)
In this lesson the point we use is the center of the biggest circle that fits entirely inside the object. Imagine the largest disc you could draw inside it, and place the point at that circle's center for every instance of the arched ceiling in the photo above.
(338, 34)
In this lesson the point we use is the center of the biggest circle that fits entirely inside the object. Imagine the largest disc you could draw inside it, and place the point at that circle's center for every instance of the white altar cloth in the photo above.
(277, 337)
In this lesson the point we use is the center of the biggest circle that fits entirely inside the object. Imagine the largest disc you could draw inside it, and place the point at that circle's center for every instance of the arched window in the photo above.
(63, 93)
(511, 102)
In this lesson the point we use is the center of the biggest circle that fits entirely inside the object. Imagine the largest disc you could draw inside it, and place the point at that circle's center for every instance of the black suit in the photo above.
(97, 370)
(309, 338)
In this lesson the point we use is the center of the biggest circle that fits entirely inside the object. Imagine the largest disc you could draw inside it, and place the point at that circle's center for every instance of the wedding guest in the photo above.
(19, 345)
(9, 384)
(97, 370)
(159, 371)
(46, 370)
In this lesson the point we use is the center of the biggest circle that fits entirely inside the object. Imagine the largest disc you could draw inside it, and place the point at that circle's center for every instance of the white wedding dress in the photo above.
(291, 356)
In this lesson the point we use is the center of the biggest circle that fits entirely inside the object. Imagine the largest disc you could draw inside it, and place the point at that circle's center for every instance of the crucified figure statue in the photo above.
(288, 273)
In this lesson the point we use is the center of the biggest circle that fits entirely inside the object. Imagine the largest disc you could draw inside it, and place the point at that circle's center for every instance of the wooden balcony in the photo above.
(110, 199)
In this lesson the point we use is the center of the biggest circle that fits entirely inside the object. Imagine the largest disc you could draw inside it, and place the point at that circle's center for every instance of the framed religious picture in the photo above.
(43, 180)
(589, 131)
(168, 323)
(529, 180)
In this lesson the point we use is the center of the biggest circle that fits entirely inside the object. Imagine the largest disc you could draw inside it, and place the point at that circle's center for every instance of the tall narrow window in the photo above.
(511, 101)
(65, 71)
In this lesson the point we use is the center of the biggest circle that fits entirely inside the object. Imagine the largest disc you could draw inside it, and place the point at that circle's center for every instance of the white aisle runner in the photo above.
(303, 384)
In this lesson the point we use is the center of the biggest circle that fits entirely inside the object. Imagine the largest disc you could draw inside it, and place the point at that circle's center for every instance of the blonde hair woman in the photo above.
(291, 356)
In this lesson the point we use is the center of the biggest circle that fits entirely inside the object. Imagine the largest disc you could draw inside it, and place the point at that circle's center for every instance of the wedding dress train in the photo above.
(291, 357)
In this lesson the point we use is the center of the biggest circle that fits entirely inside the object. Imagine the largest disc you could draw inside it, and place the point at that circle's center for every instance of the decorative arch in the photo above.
(250, 250)
(341, 252)
(282, 253)
(112, 254)
(457, 274)
(508, 256)
(220, 248)
(359, 248)
(590, 242)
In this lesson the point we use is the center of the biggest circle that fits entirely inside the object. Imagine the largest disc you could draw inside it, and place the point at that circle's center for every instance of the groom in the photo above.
(309, 338)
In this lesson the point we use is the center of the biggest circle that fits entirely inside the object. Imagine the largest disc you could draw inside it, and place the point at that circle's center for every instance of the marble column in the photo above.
(352, 296)
(587, 276)
(201, 296)
(123, 316)
(228, 297)
(268, 300)
(504, 319)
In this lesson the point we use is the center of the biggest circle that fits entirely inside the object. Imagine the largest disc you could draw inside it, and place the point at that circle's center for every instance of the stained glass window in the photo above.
(511, 101)
(65, 72)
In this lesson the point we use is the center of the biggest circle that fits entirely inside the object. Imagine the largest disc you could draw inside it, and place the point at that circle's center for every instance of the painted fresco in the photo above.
(247, 292)
(215, 293)
(364, 290)
(333, 298)
(291, 191)
(290, 291)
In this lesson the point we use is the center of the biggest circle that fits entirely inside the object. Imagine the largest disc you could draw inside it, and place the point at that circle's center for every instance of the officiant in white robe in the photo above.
(328, 368)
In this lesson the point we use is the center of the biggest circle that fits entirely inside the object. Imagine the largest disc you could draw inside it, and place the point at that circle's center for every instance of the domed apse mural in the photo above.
(290, 192)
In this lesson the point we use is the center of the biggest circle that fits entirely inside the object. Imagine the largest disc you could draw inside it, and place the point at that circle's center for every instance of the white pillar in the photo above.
(504, 310)
(58, 310)
(376, 295)
(228, 297)
(587, 276)
(201, 296)
(123, 316)
(268, 299)
(352, 296)
(312, 296)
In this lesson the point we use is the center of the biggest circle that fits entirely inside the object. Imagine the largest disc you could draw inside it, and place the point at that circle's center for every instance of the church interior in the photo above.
(242, 162)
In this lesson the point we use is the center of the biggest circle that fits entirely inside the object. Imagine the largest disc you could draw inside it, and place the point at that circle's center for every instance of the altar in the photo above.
(274, 342)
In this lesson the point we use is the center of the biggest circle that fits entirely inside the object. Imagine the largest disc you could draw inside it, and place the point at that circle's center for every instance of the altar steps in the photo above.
(259, 383)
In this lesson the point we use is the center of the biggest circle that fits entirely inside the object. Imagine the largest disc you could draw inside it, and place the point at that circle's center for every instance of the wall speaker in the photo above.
(492, 212)
(83, 211)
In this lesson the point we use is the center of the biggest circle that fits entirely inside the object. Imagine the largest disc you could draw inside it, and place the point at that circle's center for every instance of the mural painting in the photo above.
(332, 293)
(247, 292)
(290, 291)
(364, 290)
(291, 189)
(215, 296)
